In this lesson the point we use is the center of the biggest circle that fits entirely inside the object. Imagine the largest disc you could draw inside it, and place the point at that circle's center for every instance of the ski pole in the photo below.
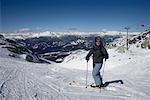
(86, 73)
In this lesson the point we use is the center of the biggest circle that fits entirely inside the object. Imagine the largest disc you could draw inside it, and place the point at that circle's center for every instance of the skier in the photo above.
(99, 53)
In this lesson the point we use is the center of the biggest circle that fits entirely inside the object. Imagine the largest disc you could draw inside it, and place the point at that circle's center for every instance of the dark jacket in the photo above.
(99, 53)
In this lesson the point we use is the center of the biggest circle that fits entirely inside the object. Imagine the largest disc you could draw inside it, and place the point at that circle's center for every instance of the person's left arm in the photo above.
(104, 52)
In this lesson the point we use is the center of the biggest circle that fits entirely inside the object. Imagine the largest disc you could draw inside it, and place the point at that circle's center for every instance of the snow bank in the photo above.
(76, 60)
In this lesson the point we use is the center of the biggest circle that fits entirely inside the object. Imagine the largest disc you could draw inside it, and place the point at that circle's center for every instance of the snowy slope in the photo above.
(21, 80)
(131, 67)
(141, 40)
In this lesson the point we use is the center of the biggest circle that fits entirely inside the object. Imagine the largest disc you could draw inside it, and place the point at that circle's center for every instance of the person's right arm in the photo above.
(89, 54)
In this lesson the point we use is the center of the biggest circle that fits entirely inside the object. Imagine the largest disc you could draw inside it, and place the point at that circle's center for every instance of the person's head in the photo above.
(98, 41)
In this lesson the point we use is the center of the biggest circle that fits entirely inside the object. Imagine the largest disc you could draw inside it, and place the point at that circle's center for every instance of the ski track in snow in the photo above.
(18, 83)
(21, 80)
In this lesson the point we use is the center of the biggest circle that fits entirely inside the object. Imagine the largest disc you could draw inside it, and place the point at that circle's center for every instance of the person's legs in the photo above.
(96, 73)
(101, 80)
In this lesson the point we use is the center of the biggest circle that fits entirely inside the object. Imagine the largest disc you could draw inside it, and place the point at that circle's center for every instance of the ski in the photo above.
(107, 88)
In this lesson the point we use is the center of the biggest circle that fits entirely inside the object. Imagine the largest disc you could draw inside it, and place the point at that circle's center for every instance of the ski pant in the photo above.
(96, 73)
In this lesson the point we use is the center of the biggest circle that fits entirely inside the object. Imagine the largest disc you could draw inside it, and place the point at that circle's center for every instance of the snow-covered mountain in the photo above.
(25, 35)
(141, 40)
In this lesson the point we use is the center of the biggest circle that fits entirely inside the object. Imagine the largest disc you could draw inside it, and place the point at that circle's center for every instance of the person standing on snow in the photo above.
(99, 53)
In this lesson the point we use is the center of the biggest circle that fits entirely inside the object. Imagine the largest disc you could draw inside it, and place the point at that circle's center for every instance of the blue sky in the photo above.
(82, 15)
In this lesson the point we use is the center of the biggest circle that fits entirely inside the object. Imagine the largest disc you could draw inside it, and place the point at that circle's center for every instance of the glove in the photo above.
(87, 58)
(105, 59)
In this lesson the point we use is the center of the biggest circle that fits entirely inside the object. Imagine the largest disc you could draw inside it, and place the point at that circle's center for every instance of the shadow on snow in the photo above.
(112, 82)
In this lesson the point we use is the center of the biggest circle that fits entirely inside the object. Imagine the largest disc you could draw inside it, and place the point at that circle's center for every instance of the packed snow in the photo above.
(22, 80)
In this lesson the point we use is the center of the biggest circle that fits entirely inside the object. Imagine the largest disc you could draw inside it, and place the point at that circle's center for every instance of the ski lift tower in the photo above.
(127, 40)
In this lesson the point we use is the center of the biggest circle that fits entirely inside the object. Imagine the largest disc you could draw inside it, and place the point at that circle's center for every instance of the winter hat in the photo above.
(98, 38)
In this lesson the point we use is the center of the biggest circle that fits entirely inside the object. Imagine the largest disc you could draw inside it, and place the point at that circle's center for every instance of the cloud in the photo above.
(39, 28)
(25, 29)
(104, 30)
(72, 29)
